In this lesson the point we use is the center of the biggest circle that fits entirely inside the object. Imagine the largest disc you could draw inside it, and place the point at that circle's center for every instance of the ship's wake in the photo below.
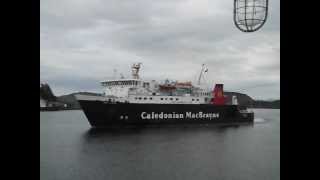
(259, 120)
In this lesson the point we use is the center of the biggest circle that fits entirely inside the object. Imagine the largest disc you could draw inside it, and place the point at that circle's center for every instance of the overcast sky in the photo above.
(83, 41)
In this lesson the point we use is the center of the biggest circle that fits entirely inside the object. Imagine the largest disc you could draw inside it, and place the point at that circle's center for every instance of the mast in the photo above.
(135, 70)
(203, 69)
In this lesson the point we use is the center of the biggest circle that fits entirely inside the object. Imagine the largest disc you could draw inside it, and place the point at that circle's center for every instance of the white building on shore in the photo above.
(43, 103)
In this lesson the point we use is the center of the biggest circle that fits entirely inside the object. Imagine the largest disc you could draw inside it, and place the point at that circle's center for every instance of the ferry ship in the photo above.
(136, 101)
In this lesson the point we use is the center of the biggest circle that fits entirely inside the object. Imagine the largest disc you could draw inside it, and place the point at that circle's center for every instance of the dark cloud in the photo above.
(83, 41)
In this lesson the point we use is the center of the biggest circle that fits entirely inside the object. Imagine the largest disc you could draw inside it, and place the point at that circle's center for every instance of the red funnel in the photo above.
(218, 97)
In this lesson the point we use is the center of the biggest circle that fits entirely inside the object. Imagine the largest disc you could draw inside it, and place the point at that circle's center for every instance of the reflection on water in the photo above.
(70, 149)
(167, 129)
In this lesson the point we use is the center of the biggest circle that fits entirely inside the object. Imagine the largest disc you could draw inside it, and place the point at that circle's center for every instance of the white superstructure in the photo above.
(136, 90)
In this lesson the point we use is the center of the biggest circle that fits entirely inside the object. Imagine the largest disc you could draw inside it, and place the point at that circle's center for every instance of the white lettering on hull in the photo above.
(173, 115)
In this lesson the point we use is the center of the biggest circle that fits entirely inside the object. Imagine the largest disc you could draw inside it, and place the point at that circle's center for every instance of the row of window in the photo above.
(113, 83)
(140, 98)
(169, 98)
(145, 98)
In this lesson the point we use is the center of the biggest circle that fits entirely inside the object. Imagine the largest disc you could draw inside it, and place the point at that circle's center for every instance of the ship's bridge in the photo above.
(121, 82)
(121, 87)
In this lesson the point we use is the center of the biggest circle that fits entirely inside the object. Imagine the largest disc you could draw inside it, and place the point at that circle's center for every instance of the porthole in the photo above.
(161, 98)
(145, 98)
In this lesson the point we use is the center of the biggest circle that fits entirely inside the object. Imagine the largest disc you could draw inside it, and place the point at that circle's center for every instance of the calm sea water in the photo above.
(71, 150)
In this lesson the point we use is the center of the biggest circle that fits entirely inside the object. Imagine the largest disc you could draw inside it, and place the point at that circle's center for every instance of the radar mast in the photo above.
(135, 70)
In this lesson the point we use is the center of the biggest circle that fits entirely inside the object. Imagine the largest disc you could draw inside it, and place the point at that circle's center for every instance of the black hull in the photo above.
(103, 114)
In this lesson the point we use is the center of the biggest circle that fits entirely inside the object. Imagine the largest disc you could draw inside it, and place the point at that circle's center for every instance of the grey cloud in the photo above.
(85, 40)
